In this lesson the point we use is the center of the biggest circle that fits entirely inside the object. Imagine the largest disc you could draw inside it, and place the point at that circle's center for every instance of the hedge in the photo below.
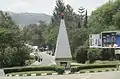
(91, 66)
(60, 70)
(96, 66)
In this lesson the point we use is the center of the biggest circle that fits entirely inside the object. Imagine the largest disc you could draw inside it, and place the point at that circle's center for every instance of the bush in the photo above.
(91, 66)
(96, 66)
(81, 54)
(60, 70)
(49, 73)
(29, 62)
(74, 69)
(92, 71)
(107, 54)
(93, 54)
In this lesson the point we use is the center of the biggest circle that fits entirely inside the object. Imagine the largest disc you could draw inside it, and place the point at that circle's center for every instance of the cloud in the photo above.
(18, 6)
(46, 6)
(90, 5)
(36, 6)
(14, 5)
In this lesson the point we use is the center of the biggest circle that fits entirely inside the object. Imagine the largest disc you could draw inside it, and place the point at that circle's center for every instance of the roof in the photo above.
(109, 31)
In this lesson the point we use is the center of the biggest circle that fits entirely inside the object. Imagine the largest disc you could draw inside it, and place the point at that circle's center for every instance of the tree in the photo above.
(60, 7)
(105, 17)
(116, 19)
(33, 34)
(86, 19)
(13, 51)
(6, 21)
(78, 38)
(50, 36)
(83, 20)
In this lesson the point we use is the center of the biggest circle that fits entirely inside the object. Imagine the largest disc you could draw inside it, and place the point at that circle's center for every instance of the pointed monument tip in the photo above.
(62, 15)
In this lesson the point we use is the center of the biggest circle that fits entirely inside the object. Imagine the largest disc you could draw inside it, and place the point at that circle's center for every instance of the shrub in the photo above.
(38, 74)
(91, 66)
(49, 73)
(74, 69)
(107, 54)
(60, 70)
(99, 70)
(92, 71)
(82, 71)
(93, 54)
(29, 62)
(81, 54)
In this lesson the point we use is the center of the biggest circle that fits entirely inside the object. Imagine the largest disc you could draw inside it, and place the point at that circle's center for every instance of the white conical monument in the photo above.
(63, 53)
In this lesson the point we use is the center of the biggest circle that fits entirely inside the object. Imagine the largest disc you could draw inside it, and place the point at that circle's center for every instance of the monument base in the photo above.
(2, 72)
(66, 62)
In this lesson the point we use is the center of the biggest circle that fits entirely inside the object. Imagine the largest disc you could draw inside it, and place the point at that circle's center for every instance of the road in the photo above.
(101, 75)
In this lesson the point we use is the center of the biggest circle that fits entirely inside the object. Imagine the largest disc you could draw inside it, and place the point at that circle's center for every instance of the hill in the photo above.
(29, 18)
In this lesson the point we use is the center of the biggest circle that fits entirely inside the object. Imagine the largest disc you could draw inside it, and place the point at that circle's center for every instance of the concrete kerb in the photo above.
(91, 71)
(81, 72)
(42, 74)
(17, 75)
(24, 75)
(33, 74)
(54, 73)
(107, 70)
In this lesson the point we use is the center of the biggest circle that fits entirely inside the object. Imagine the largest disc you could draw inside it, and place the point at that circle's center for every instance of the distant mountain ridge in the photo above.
(29, 18)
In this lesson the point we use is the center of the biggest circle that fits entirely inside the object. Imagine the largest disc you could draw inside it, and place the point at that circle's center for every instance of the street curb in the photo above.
(45, 74)
(91, 71)
(54, 73)
(24, 75)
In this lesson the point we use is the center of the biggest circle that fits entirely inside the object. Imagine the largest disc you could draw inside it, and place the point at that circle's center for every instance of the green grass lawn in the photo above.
(31, 72)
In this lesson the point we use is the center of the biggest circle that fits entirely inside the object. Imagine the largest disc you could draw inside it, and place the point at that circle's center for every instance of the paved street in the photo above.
(102, 75)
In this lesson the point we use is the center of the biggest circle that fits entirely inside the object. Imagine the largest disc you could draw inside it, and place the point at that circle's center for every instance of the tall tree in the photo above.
(33, 34)
(86, 19)
(6, 21)
(105, 17)
(60, 7)
(13, 52)
(81, 17)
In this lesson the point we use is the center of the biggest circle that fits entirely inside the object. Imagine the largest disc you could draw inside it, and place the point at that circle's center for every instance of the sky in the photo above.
(46, 6)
